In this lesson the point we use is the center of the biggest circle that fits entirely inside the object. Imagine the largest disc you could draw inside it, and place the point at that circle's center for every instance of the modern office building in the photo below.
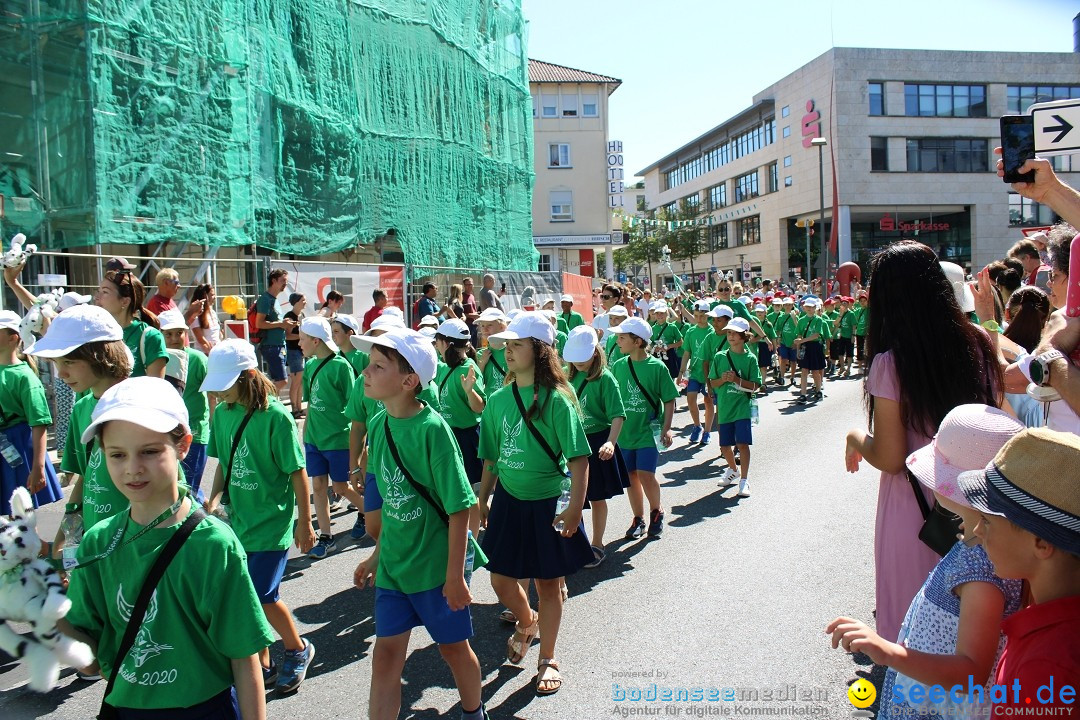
(572, 198)
(910, 136)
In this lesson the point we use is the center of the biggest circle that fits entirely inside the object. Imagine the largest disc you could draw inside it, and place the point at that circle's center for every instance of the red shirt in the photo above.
(1041, 641)
(369, 317)
(159, 304)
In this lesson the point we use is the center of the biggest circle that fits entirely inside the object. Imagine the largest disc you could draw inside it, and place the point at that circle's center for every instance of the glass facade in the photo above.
(948, 234)
(944, 100)
(876, 95)
(1022, 97)
(947, 155)
(734, 148)
(1024, 212)
(746, 186)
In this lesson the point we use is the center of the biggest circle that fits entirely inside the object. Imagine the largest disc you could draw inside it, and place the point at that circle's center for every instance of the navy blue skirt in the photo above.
(22, 438)
(607, 478)
(521, 543)
(468, 439)
(764, 355)
(814, 357)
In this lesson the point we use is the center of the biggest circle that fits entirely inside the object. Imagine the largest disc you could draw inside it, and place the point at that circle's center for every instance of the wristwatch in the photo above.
(1040, 367)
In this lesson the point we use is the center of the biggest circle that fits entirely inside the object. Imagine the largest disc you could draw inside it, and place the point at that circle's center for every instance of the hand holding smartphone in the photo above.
(1017, 146)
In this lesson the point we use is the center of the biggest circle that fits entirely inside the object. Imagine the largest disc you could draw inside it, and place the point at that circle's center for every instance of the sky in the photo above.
(688, 65)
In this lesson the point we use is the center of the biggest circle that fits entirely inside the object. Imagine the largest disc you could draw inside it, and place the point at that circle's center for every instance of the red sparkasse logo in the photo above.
(888, 224)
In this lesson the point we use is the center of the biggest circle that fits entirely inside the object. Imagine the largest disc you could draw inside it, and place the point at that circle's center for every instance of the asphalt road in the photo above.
(732, 601)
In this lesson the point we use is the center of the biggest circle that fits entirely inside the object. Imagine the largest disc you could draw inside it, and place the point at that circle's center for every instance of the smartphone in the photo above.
(1017, 146)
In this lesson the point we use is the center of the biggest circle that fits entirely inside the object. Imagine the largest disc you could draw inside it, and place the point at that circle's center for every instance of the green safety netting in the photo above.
(305, 126)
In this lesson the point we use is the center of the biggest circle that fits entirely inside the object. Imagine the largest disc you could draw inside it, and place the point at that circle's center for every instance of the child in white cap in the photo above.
(810, 335)
(491, 361)
(786, 326)
(698, 353)
(196, 653)
(342, 328)
(735, 375)
(175, 331)
(568, 316)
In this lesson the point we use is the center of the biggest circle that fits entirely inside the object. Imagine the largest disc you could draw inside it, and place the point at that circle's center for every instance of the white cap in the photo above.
(70, 299)
(492, 314)
(146, 401)
(525, 325)
(567, 298)
(758, 295)
(702, 306)
(413, 346)
(722, 311)
(75, 327)
(549, 314)
(172, 320)
(745, 299)
(226, 361)
(738, 325)
(10, 320)
(455, 330)
(658, 306)
(428, 332)
(549, 301)
(788, 300)
(580, 344)
(348, 321)
(809, 301)
(386, 322)
(777, 301)
(618, 311)
(514, 312)
(635, 326)
(760, 308)
(317, 327)
(429, 321)
(964, 297)
(392, 310)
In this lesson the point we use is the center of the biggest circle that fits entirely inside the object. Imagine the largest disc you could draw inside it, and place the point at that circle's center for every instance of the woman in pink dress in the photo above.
(926, 357)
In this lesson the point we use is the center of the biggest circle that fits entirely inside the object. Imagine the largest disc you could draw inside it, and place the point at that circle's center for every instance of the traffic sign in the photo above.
(746, 266)
(622, 277)
(1057, 127)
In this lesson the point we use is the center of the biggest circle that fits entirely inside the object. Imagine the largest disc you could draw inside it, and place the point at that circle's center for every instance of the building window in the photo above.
(787, 131)
(562, 205)
(569, 105)
(1028, 213)
(548, 105)
(589, 107)
(735, 147)
(944, 100)
(559, 155)
(748, 230)
(787, 181)
(947, 155)
(718, 196)
(692, 201)
(787, 161)
(785, 111)
(1022, 97)
(545, 263)
(718, 237)
(876, 94)
(774, 178)
(746, 186)
(879, 154)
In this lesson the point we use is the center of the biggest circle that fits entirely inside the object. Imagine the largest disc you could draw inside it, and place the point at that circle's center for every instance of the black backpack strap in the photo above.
(232, 454)
(652, 403)
(321, 365)
(138, 611)
(420, 489)
(924, 507)
(535, 433)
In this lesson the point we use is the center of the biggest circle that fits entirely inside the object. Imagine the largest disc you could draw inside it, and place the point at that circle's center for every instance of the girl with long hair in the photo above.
(925, 358)
(123, 296)
(205, 326)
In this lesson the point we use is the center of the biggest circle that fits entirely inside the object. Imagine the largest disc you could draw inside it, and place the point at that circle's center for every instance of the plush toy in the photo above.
(37, 318)
(18, 253)
(31, 592)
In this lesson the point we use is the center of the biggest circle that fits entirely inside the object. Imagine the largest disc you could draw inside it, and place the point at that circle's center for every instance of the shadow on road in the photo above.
(713, 505)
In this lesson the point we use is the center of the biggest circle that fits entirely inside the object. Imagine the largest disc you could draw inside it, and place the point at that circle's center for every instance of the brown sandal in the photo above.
(517, 646)
(556, 681)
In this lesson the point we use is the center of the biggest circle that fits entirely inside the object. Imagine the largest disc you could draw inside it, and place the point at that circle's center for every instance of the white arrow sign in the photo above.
(1057, 127)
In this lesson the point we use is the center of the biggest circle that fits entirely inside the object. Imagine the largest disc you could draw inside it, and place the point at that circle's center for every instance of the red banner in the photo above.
(581, 288)
(588, 263)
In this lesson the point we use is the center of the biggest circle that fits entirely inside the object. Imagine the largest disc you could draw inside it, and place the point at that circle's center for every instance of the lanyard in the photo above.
(116, 544)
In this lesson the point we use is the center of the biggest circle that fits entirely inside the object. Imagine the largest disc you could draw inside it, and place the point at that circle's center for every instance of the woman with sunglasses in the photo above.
(122, 295)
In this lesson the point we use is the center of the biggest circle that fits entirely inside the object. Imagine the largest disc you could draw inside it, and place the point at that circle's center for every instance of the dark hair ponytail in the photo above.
(457, 351)
(1029, 308)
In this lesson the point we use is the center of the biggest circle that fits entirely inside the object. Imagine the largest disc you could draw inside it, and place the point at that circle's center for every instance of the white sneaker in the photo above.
(727, 478)
(744, 488)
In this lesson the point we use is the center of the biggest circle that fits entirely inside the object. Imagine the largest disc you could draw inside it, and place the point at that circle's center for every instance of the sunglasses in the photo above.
(608, 297)
(727, 289)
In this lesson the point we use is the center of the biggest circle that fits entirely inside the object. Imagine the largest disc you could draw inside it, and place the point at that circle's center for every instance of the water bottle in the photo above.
(72, 528)
(9, 452)
(470, 557)
(755, 415)
(656, 435)
(561, 504)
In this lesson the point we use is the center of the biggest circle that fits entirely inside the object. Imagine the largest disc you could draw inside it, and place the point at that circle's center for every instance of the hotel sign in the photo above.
(615, 177)
(555, 240)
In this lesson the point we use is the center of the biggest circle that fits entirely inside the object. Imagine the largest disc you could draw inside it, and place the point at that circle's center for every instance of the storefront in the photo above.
(947, 230)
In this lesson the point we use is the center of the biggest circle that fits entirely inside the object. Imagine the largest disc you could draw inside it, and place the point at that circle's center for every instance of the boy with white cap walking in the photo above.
(695, 362)
(735, 375)
(175, 330)
(571, 318)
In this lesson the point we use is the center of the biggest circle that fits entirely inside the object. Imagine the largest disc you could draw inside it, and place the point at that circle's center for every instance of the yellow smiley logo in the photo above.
(862, 693)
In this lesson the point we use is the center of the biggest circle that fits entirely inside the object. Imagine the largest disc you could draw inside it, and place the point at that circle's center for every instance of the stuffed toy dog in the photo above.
(18, 253)
(31, 592)
(37, 318)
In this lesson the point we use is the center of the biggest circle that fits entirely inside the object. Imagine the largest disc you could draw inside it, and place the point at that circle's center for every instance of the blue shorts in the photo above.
(644, 459)
(397, 612)
(274, 355)
(372, 498)
(788, 353)
(693, 386)
(294, 360)
(222, 706)
(334, 463)
(735, 433)
(194, 464)
(266, 569)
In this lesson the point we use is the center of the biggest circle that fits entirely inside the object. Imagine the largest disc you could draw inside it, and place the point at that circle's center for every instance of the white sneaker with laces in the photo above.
(727, 478)
(744, 488)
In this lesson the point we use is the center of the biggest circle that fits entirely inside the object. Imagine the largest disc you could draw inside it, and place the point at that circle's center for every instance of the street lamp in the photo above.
(821, 142)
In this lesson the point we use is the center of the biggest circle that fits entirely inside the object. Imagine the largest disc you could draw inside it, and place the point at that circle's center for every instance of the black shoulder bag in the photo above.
(232, 454)
(138, 611)
(420, 489)
(941, 528)
(535, 433)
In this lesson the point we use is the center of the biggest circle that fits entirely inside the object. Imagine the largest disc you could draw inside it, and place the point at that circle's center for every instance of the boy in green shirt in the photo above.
(568, 316)
(843, 345)
(491, 361)
(418, 566)
(735, 375)
(344, 327)
(694, 361)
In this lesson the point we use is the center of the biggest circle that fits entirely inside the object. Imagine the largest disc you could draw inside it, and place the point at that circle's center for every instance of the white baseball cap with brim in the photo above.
(348, 321)
(492, 314)
(549, 314)
(392, 310)
(722, 311)
(10, 320)
(149, 402)
(526, 325)
(171, 320)
(760, 308)
(737, 325)
(580, 344)
(635, 326)
(384, 322)
(74, 328)
(964, 297)
(415, 347)
(567, 298)
(317, 327)
(225, 362)
(70, 299)
(454, 329)
(428, 332)
(429, 321)
(702, 306)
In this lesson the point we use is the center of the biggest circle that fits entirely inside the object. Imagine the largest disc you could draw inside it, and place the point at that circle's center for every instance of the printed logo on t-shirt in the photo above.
(315, 401)
(444, 406)
(635, 401)
(587, 416)
(398, 494)
(241, 470)
(510, 436)
(145, 647)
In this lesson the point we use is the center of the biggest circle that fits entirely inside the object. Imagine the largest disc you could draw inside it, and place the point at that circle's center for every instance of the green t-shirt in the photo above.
(453, 404)
(560, 324)
(667, 333)
(809, 325)
(714, 344)
(695, 342)
(848, 321)
(560, 341)
(864, 317)
(203, 613)
(657, 382)
(611, 347)
(261, 498)
(600, 400)
(415, 541)
(525, 470)
(767, 326)
(683, 327)
(146, 344)
(197, 405)
(786, 327)
(358, 360)
(732, 403)
(572, 320)
(495, 369)
(22, 397)
(737, 308)
(101, 498)
(326, 392)
(267, 305)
